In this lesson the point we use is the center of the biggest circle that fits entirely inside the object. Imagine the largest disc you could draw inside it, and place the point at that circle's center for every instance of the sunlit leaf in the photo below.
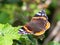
(7, 34)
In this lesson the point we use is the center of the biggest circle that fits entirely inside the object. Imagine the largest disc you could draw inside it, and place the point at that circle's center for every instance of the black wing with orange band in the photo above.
(38, 24)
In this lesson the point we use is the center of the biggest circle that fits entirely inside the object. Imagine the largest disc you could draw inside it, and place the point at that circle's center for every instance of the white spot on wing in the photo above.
(38, 13)
(43, 14)
(21, 29)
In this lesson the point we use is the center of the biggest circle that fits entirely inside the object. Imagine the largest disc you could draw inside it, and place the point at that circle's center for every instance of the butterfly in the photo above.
(37, 26)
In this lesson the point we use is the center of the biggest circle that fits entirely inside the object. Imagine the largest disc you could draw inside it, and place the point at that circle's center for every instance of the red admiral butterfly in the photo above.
(37, 26)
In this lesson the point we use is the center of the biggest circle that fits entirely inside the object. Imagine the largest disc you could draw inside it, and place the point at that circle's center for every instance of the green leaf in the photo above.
(7, 34)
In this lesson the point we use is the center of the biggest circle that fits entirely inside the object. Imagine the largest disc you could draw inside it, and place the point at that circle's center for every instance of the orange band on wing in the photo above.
(47, 25)
(27, 29)
(39, 33)
(39, 17)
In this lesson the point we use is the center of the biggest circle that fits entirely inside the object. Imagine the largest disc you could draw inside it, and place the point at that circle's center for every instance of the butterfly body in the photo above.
(38, 24)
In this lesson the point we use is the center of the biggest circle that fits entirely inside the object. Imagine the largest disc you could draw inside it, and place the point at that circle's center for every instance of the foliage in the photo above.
(54, 43)
(54, 3)
(7, 34)
(57, 16)
(28, 40)
(6, 14)
(19, 12)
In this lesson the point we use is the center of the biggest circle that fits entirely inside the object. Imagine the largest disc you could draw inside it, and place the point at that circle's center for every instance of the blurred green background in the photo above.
(16, 13)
